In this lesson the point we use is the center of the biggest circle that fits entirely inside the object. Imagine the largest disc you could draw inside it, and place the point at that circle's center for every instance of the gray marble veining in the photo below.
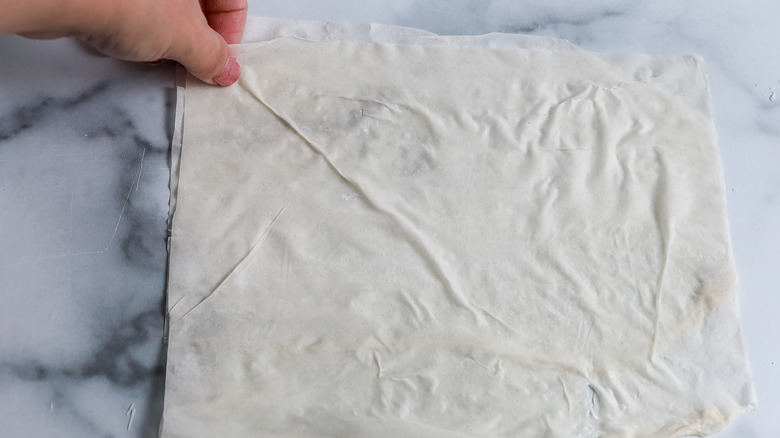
(84, 144)
(83, 168)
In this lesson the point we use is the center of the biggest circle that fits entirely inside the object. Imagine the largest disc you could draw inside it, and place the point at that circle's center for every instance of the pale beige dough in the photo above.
(377, 240)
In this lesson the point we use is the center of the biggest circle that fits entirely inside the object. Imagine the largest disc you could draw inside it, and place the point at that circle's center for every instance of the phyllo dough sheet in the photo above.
(442, 240)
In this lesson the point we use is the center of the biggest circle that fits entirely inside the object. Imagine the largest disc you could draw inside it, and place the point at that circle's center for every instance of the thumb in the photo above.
(206, 55)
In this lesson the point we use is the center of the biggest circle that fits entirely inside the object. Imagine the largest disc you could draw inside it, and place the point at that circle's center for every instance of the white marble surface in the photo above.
(83, 195)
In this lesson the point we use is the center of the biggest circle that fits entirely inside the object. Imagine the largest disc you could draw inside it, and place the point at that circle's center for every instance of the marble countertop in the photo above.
(84, 165)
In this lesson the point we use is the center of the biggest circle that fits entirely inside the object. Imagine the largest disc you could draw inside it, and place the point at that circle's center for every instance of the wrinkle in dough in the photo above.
(255, 246)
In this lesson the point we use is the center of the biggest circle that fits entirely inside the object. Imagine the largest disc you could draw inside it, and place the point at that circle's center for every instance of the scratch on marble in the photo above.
(127, 201)
(70, 228)
(119, 221)
(141, 168)
(130, 413)
(53, 257)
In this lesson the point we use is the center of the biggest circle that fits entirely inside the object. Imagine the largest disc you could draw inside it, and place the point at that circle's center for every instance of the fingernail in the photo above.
(229, 73)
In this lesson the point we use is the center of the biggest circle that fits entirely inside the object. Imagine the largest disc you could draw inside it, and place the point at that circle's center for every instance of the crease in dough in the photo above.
(256, 246)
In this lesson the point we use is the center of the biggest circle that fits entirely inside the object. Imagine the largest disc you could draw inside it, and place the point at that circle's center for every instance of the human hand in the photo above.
(196, 33)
